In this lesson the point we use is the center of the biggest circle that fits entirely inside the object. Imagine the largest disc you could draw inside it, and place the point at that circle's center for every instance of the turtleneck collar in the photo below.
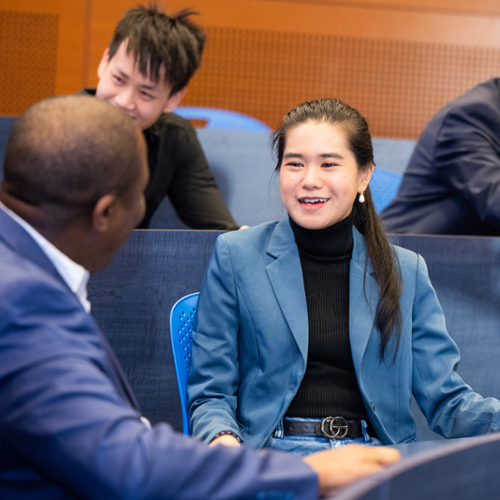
(330, 242)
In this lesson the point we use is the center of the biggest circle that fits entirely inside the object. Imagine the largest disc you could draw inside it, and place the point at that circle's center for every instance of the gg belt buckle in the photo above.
(334, 427)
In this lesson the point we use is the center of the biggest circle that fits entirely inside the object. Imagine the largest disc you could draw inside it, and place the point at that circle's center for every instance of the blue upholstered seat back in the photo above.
(132, 299)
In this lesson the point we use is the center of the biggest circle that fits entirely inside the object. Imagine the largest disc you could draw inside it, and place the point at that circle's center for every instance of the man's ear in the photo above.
(104, 62)
(103, 213)
(174, 100)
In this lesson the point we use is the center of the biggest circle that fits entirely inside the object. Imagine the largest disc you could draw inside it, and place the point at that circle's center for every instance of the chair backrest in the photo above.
(384, 187)
(225, 119)
(181, 329)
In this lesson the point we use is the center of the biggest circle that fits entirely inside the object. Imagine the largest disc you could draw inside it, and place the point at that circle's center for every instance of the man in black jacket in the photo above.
(145, 71)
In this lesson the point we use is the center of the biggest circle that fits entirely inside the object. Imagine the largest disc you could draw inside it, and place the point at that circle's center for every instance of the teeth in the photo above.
(313, 201)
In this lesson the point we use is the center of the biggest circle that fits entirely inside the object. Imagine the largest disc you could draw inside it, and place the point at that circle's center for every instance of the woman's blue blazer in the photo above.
(250, 341)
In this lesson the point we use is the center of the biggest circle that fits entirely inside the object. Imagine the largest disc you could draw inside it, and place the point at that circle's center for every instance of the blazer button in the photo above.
(372, 405)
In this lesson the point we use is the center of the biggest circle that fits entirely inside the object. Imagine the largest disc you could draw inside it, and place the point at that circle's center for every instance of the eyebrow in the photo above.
(152, 87)
(323, 155)
(123, 74)
(149, 87)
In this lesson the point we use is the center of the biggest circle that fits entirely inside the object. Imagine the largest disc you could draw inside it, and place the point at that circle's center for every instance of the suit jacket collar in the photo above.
(285, 274)
(21, 242)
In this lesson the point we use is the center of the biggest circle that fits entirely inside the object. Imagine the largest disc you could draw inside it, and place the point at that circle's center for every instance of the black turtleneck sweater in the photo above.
(329, 386)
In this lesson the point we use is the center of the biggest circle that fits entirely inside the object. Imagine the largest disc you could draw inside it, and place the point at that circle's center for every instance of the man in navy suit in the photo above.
(452, 182)
(70, 426)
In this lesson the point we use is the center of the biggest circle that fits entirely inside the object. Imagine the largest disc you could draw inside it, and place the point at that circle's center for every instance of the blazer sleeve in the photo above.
(451, 406)
(213, 380)
(62, 417)
(467, 155)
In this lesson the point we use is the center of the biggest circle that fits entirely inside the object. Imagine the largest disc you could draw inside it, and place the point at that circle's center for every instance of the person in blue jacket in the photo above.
(315, 332)
(70, 426)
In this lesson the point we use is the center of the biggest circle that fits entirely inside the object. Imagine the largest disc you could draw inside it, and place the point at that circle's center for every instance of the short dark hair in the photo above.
(65, 153)
(158, 40)
(388, 319)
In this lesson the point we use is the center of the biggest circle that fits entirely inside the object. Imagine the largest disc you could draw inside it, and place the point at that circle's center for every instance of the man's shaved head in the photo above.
(65, 153)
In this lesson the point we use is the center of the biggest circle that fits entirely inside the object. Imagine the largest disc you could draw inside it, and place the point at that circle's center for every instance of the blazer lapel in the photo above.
(285, 275)
(13, 235)
(121, 379)
(363, 299)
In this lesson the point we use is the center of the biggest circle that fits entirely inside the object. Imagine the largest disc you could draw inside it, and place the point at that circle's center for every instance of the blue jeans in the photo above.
(305, 445)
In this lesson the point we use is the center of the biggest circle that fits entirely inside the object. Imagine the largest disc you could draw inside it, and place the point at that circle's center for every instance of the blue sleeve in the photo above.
(451, 406)
(63, 419)
(214, 375)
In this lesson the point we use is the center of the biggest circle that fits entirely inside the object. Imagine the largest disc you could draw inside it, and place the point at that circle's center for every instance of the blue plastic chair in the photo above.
(181, 324)
(222, 118)
(384, 186)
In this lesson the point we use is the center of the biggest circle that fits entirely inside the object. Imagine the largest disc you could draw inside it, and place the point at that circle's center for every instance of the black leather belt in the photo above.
(329, 427)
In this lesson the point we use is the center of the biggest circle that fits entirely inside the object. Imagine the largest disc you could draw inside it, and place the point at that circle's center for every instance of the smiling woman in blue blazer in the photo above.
(315, 332)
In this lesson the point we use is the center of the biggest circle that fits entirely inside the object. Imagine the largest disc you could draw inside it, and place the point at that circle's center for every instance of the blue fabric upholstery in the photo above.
(384, 186)
(222, 118)
(466, 275)
(132, 299)
(243, 166)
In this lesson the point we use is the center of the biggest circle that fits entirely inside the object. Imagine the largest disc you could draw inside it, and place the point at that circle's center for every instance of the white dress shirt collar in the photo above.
(74, 275)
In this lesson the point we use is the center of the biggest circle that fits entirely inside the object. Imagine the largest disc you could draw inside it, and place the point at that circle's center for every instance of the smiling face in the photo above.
(319, 177)
(122, 84)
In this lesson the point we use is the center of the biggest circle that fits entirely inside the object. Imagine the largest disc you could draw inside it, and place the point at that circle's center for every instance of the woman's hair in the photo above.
(383, 257)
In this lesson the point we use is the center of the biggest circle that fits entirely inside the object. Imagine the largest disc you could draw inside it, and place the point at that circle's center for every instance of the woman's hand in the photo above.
(226, 440)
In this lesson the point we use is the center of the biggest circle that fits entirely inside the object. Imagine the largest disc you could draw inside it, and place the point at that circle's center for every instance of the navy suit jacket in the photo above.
(452, 182)
(250, 342)
(69, 423)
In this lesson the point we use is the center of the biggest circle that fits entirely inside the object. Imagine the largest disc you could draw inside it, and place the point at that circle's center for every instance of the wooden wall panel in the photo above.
(398, 86)
(375, 19)
(31, 68)
(397, 60)
(468, 7)
(28, 57)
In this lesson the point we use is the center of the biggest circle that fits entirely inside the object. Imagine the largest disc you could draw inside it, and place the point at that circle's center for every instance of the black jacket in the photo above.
(452, 182)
